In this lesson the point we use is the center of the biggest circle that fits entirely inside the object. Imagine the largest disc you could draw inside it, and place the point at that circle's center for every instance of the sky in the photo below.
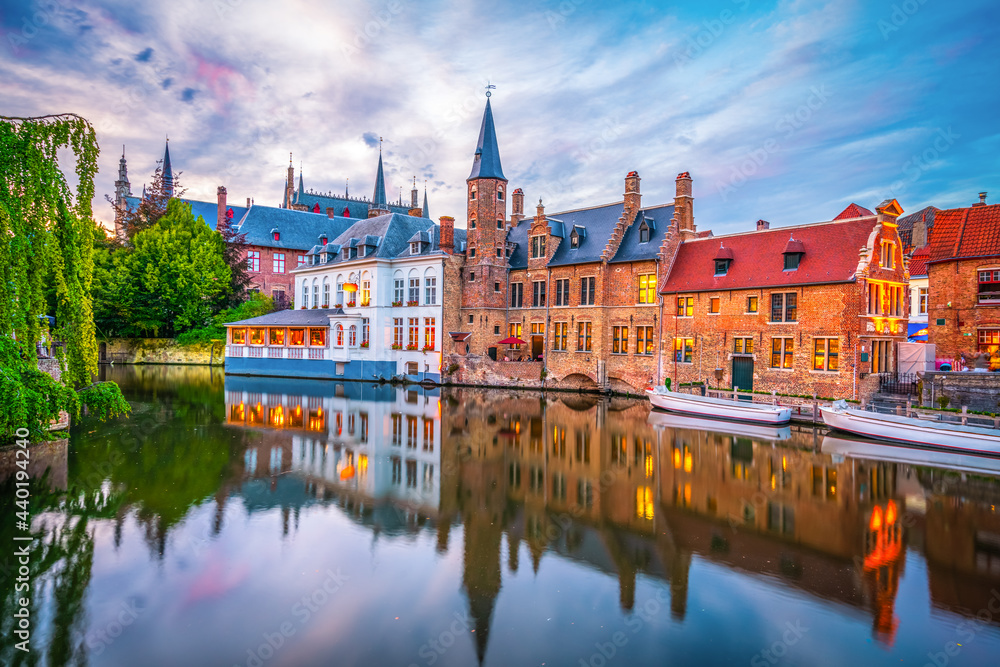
(785, 111)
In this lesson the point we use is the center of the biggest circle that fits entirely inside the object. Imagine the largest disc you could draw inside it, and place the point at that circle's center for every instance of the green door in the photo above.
(743, 372)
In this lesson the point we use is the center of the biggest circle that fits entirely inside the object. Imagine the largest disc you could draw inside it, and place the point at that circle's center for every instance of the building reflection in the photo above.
(603, 483)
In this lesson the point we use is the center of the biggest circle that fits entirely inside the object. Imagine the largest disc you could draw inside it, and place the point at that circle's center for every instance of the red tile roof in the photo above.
(854, 211)
(918, 262)
(831, 256)
(966, 233)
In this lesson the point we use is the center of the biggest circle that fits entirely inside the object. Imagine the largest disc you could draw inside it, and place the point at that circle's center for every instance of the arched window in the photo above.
(340, 290)
(472, 193)
(500, 193)
(326, 292)
(430, 288)
(340, 335)
(413, 288)
(472, 223)
(352, 336)
(315, 293)
(305, 294)
(398, 288)
(499, 223)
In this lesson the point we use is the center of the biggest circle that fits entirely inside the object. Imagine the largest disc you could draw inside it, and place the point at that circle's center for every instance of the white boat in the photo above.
(911, 431)
(718, 408)
(746, 430)
(899, 453)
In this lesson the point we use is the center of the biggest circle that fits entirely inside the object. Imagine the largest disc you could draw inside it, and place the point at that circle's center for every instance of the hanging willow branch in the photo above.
(47, 234)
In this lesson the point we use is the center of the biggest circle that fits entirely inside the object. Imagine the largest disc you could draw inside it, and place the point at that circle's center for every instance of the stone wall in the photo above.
(166, 351)
(977, 391)
(51, 366)
(474, 369)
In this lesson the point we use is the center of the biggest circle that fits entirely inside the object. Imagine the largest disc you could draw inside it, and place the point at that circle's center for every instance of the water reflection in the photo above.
(213, 506)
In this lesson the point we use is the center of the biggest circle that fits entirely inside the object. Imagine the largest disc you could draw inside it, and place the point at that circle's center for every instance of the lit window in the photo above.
(743, 345)
(276, 336)
(751, 304)
(619, 340)
(645, 340)
(714, 304)
(238, 336)
(430, 330)
(685, 306)
(781, 352)
(683, 350)
(826, 353)
(583, 343)
(559, 340)
(647, 288)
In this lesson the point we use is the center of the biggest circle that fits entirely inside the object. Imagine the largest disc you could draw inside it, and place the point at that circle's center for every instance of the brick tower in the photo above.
(486, 258)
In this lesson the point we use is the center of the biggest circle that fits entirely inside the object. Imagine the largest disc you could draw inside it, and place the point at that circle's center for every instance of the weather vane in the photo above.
(489, 86)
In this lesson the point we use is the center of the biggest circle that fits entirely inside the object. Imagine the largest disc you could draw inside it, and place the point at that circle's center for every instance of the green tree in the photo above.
(47, 234)
(176, 277)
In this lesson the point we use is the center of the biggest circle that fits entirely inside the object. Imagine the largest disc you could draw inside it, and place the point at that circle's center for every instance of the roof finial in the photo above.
(289, 158)
(380, 145)
(489, 86)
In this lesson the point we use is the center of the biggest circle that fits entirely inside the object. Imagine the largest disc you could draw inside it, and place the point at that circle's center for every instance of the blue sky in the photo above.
(786, 111)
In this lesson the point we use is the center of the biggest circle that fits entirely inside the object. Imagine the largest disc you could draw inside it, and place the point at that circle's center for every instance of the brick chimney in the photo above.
(220, 220)
(517, 206)
(684, 207)
(982, 199)
(633, 199)
(447, 242)
(762, 225)
(248, 202)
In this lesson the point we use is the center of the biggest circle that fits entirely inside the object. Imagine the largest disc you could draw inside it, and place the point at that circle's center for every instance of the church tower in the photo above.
(123, 189)
(486, 258)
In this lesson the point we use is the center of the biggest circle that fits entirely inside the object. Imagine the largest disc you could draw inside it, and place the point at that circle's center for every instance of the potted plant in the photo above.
(350, 304)
(412, 303)
(366, 303)
(364, 345)
(397, 304)
(338, 305)
(395, 346)
(411, 347)
(428, 348)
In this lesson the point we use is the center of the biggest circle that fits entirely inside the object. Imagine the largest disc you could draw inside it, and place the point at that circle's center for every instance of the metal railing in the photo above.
(898, 384)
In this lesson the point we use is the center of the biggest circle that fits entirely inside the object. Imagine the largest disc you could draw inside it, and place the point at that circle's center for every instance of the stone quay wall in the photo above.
(163, 351)
(976, 391)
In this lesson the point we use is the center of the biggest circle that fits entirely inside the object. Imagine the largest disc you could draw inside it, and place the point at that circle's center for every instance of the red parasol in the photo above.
(513, 340)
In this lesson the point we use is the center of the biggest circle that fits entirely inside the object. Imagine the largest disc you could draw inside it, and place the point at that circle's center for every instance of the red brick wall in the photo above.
(957, 283)
(266, 280)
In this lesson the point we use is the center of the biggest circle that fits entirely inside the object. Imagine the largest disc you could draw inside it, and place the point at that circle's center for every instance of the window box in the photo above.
(411, 347)
(315, 306)
(364, 346)
(412, 303)
(351, 304)
(338, 305)
(395, 346)
(397, 304)
(428, 348)
(366, 303)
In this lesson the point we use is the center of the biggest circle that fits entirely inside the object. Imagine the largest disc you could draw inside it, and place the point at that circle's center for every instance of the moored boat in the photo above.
(911, 431)
(718, 408)
(916, 456)
(742, 430)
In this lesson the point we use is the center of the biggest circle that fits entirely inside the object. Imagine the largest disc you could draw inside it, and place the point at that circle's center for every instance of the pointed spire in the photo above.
(168, 173)
(347, 188)
(426, 212)
(379, 202)
(486, 163)
(301, 188)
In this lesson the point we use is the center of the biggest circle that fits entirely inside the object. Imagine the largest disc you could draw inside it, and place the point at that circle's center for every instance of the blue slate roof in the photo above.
(358, 208)
(301, 317)
(600, 222)
(519, 235)
(658, 220)
(298, 230)
(486, 163)
(207, 210)
(392, 233)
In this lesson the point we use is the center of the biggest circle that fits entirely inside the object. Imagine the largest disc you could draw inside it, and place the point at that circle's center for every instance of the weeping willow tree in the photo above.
(47, 238)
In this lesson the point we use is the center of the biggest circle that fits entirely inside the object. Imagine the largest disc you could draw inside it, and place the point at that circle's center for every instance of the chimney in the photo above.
(220, 219)
(684, 206)
(447, 242)
(248, 202)
(539, 211)
(330, 212)
(517, 206)
(762, 225)
(416, 212)
(982, 199)
(633, 199)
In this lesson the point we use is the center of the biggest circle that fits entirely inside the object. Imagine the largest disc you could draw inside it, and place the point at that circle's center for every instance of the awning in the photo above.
(512, 341)
(916, 332)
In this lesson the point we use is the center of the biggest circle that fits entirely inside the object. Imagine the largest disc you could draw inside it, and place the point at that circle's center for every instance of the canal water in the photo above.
(261, 521)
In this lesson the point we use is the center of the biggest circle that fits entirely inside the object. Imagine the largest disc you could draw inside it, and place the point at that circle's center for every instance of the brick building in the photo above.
(578, 286)
(802, 309)
(964, 275)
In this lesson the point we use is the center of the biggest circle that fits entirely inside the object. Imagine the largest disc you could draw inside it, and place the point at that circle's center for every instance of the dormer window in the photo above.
(414, 248)
(723, 258)
(277, 236)
(347, 253)
(793, 254)
(643, 232)
(322, 240)
(574, 240)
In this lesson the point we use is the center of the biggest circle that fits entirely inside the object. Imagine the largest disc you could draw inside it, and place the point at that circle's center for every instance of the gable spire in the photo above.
(168, 173)
(486, 163)
(379, 205)
(425, 211)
